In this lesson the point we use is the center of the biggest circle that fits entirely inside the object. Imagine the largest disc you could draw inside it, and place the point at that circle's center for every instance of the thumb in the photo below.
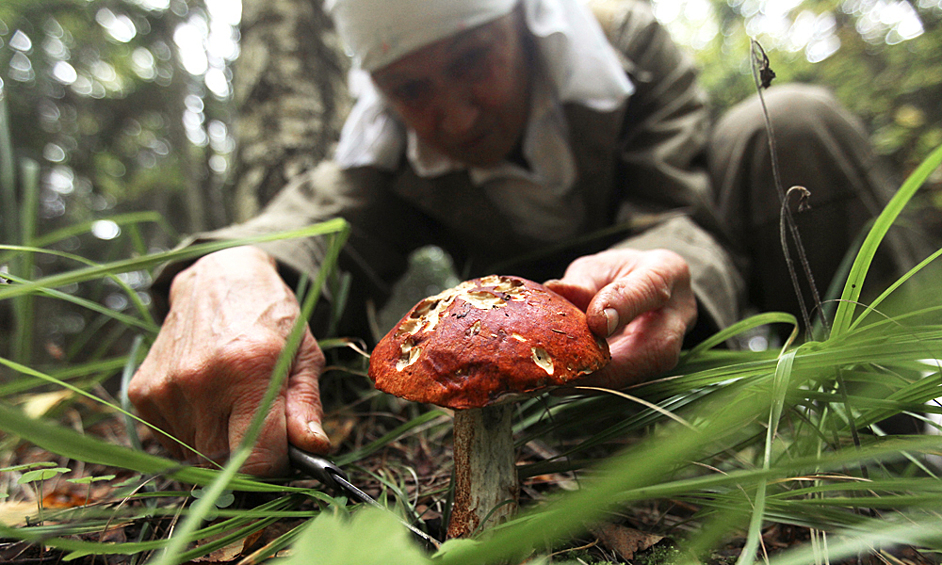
(602, 325)
(303, 411)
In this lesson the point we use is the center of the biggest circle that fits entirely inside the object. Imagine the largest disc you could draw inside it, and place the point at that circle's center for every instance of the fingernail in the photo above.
(316, 429)
(611, 319)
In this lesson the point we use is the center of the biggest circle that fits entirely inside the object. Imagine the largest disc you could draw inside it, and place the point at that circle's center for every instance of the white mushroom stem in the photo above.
(485, 476)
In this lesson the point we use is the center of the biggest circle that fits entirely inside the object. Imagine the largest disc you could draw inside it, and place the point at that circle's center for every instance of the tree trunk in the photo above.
(290, 95)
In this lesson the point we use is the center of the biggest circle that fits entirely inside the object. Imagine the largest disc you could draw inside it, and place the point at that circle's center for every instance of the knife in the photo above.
(336, 481)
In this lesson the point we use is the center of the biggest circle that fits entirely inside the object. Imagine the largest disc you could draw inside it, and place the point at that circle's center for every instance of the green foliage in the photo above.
(39, 475)
(858, 273)
(748, 439)
(796, 417)
(215, 496)
(88, 482)
(94, 94)
(27, 466)
(106, 115)
(900, 79)
(659, 555)
(8, 217)
(336, 539)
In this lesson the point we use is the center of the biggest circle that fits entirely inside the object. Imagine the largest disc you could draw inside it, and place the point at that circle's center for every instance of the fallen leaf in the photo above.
(64, 499)
(339, 427)
(113, 535)
(230, 552)
(223, 554)
(14, 513)
(37, 405)
(625, 541)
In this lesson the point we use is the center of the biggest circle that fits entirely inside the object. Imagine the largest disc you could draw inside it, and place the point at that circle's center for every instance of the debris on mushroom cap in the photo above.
(484, 341)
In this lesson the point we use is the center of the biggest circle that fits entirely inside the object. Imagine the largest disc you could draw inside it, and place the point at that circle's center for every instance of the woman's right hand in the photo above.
(208, 370)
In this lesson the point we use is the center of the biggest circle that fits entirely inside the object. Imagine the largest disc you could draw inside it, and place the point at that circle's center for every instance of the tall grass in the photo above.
(63, 442)
(742, 440)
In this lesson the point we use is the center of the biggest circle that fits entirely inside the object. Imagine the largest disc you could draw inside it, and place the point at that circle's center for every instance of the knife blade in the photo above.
(336, 481)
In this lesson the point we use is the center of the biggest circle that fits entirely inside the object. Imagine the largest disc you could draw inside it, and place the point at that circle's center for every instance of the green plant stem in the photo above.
(23, 306)
(8, 216)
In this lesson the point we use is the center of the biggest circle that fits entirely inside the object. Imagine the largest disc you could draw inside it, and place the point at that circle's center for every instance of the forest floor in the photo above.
(651, 533)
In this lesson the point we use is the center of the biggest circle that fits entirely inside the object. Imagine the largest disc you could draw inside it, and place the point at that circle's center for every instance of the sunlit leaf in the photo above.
(41, 475)
(369, 537)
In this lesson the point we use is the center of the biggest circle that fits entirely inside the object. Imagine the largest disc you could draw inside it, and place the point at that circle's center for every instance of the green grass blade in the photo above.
(26, 382)
(23, 307)
(875, 305)
(388, 438)
(148, 325)
(275, 546)
(780, 382)
(739, 327)
(123, 220)
(858, 273)
(126, 373)
(9, 209)
(33, 373)
(641, 468)
(128, 220)
(132, 296)
(93, 272)
(239, 526)
(865, 538)
(68, 443)
(569, 514)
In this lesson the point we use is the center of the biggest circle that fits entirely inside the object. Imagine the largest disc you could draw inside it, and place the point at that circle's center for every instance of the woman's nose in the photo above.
(457, 112)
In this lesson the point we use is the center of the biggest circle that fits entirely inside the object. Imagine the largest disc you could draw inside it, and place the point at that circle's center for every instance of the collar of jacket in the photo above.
(474, 223)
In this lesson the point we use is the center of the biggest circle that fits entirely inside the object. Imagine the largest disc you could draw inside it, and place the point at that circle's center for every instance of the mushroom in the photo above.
(476, 348)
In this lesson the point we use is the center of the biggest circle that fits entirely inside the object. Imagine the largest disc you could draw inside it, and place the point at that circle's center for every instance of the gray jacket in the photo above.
(640, 175)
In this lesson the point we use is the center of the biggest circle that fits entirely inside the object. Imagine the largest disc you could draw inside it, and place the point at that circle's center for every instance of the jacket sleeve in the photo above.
(661, 169)
(384, 230)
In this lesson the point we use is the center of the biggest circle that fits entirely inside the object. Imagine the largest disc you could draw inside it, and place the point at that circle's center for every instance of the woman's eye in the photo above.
(410, 93)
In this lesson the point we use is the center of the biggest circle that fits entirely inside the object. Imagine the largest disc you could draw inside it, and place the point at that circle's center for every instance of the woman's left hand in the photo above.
(641, 302)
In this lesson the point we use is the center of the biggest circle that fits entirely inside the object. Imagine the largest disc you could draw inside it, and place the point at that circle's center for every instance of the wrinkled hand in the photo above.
(641, 301)
(230, 315)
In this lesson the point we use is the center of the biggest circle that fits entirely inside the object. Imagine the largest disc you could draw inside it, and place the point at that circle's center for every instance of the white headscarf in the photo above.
(578, 65)
(378, 32)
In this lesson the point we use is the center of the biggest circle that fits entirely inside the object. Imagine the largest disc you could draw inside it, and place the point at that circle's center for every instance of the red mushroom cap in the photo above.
(486, 340)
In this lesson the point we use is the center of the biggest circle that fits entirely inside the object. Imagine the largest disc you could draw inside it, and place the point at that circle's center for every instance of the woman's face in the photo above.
(468, 95)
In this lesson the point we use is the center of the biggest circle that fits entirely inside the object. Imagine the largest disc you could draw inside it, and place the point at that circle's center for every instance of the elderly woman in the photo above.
(501, 129)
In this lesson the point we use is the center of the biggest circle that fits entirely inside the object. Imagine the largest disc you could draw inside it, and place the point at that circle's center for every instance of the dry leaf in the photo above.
(230, 552)
(14, 513)
(223, 554)
(625, 541)
(339, 427)
(37, 405)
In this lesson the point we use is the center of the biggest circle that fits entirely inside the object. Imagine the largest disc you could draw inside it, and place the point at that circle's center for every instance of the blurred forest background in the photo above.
(126, 123)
